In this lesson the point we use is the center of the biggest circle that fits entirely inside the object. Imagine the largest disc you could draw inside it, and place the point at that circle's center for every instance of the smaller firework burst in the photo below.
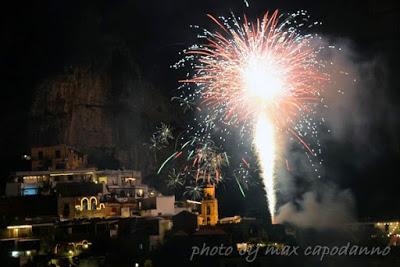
(203, 160)
(195, 163)
(176, 179)
(193, 192)
(161, 138)
(207, 162)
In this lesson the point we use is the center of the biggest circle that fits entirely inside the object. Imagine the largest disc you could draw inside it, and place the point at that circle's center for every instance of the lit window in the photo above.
(30, 191)
(139, 193)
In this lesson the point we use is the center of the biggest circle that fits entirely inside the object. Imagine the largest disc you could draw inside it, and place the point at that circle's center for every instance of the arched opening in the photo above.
(84, 204)
(93, 203)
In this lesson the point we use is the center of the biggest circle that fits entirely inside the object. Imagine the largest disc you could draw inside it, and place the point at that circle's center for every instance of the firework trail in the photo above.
(243, 177)
(265, 74)
(265, 144)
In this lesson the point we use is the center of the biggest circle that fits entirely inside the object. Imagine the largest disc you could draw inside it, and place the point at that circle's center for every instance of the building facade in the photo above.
(209, 207)
(57, 157)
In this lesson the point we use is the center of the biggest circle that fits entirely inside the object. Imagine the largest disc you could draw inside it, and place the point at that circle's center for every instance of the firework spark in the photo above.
(266, 74)
(176, 179)
(161, 138)
(193, 192)
(200, 160)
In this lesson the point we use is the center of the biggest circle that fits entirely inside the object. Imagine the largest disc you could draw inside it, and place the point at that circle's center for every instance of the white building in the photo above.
(122, 183)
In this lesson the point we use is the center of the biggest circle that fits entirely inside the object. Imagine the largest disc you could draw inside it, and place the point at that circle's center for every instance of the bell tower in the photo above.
(209, 206)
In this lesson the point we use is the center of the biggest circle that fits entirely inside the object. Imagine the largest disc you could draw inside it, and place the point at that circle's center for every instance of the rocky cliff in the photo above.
(103, 109)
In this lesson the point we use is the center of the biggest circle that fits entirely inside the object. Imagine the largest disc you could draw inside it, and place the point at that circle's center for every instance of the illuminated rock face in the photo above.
(71, 108)
(107, 112)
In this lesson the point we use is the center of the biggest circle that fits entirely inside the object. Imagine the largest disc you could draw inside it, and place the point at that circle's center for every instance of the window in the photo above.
(208, 210)
(66, 210)
(40, 154)
(58, 154)
(139, 193)
(30, 191)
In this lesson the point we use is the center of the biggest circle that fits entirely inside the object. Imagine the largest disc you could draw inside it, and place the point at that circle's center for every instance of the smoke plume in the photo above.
(354, 104)
(327, 209)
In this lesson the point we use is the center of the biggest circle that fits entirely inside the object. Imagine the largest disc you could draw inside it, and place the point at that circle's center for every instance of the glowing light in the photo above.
(25, 226)
(193, 202)
(265, 143)
(264, 84)
(262, 79)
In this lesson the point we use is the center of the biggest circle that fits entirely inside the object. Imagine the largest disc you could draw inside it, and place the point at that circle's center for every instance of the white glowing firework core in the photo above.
(265, 144)
(263, 79)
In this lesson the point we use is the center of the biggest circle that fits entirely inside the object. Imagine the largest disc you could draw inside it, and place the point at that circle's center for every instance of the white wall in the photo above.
(165, 205)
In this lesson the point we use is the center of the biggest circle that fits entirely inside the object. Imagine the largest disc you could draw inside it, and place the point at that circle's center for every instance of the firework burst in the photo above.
(194, 192)
(161, 138)
(264, 74)
(200, 160)
(176, 179)
(259, 68)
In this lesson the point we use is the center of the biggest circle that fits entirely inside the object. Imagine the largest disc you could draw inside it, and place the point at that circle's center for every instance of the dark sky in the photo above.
(40, 38)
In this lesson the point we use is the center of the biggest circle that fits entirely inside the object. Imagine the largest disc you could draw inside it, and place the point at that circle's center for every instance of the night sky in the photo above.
(39, 39)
